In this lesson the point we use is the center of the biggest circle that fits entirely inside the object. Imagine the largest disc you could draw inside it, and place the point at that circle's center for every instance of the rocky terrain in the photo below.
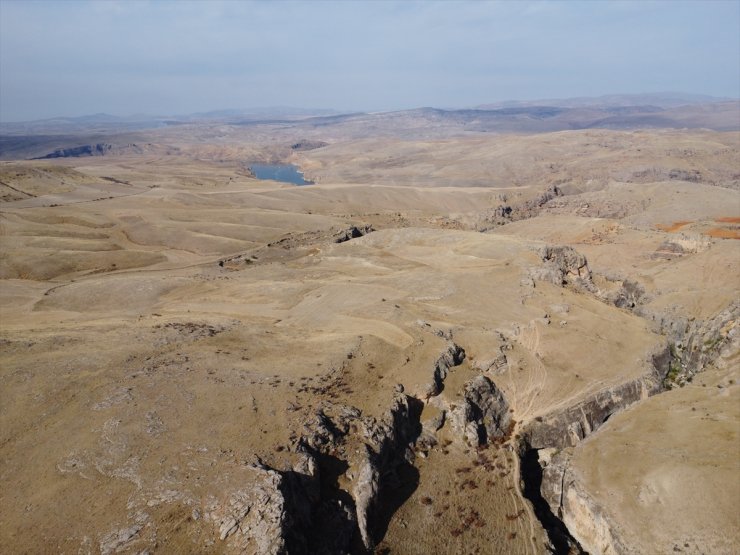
(461, 343)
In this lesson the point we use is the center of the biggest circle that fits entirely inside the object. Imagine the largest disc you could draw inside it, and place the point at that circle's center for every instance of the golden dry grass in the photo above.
(138, 374)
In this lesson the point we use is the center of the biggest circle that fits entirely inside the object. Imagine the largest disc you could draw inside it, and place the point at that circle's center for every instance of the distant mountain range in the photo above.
(107, 122)
(660, 100)
(83, 136)
(609, 104)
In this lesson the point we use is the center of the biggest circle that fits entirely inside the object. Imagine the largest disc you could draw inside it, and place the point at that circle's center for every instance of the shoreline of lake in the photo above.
(286, 173)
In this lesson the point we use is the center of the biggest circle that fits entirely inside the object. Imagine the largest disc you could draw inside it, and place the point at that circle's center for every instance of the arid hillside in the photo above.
(463, 343)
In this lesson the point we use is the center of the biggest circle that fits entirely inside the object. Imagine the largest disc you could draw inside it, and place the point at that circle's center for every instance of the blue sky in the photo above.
(67, 57)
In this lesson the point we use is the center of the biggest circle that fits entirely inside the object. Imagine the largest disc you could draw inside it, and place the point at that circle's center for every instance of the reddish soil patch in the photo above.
(673, 227)
(720, 233)
(728, 220)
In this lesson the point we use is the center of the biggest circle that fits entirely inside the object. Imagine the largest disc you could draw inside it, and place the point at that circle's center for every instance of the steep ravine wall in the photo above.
(584, 519)
(555, 433)
(574, 520)
(309, 509)
(694, 343)
(347, 468)
(567, 427)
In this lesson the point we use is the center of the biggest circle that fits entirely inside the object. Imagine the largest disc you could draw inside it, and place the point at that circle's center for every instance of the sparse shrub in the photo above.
(674, 370)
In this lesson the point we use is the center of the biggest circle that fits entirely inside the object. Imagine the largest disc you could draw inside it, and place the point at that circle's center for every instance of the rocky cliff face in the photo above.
(545, 445)
(349, 469)
(562, 489)
(258, 516)
(695, 343)
(562, 265)
(104, 149)
(566, 427)
(452, 356)
(550, 440)
(307, 144)
(483, 415)
(594, 525)
(505, 213)
(353, 232)
(331, 501)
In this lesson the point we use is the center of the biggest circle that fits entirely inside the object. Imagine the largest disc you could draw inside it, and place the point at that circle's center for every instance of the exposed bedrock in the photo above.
(562, 265)
(580, 514)
(452, 356)
(546, 442)
(505, 213)
(483, 415)
(293, 244)
(694, 343)
(384, 464)
(259, 519)
(555, 489)
(307, 144)
(352, 232)
(566, 427)
(350, 474)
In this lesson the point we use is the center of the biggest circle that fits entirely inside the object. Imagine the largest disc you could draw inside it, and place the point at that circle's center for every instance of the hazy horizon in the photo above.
(68, 59)
(311, 111)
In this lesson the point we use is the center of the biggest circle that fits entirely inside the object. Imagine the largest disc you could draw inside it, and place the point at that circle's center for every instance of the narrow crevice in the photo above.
(346, 504)
(398, 476)
(561, 541)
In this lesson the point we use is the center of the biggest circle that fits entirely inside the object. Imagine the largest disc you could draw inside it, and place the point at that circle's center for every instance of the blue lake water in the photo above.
(286, 173)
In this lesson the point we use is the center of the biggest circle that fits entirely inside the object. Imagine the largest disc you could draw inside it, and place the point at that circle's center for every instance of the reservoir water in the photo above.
(286, 173)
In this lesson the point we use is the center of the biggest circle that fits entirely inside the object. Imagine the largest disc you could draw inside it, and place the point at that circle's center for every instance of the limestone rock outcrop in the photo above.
(484, 413)
(294, 511)
(352, 232)
(452, 356)
(563, 265)
(562, 490)
(568, 427)
(505, 213)
(257, 517)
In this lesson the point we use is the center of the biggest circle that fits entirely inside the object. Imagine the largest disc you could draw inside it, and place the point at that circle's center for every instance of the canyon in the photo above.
(464, 336)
